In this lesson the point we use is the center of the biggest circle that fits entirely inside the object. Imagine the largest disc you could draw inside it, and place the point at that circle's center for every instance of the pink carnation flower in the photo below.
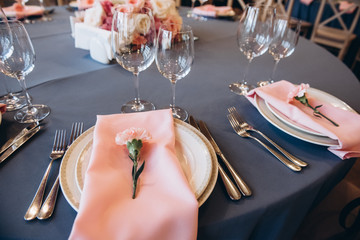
(299, 91)
(132, 133)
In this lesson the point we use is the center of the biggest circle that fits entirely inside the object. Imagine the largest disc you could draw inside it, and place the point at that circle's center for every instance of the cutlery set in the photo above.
(14, 143)
(230, 187)
(242, 128)
(58, 150)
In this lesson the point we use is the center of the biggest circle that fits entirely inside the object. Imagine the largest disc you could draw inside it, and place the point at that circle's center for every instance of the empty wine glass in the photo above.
(190, 14)
(6, 47)
(253, 38)
(13, 101)
(285, 39)
(20, 64)
(44, 17)
(174, 57)
(133, 37)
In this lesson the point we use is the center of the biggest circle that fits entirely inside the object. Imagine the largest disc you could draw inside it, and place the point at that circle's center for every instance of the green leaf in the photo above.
(141, 168)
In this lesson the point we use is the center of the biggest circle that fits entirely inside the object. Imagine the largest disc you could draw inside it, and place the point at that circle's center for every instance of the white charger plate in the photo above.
(270, 117)
(318, 94)
(193, 150)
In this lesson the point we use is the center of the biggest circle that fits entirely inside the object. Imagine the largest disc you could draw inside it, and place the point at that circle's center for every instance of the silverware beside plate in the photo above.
(19, 142)
(230, 187)
(11, 141)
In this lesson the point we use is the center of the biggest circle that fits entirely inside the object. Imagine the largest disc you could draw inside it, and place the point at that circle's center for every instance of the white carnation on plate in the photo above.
(94, 16)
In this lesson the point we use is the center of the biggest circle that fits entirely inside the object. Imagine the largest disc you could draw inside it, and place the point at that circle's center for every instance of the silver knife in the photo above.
(19, 142)
(11, 141)
(244, 188)
(230, 187)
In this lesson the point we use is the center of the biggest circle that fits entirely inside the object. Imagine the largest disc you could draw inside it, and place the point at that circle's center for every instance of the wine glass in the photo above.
(174, 57)
(285, 39)
(253, 38)
(133, 37)
(6, 47)
(20, 64)
(44, 17)
(13, 101)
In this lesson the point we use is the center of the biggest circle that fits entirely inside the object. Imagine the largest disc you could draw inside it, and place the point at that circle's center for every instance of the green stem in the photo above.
(133, 176)
(317, 112)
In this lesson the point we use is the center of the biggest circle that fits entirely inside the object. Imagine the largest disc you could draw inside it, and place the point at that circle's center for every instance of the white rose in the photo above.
(161, 8)
(142, 23)
(94, 16)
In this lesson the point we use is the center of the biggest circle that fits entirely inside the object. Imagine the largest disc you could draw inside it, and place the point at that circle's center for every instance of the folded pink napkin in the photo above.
(165, 206)
(18, 11)
(347, 133)
(212, 11)
(2, 108)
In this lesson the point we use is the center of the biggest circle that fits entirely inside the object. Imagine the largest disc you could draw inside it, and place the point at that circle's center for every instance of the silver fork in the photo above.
(248, 127)
(243, 133)
(57, 152)
(47, 208)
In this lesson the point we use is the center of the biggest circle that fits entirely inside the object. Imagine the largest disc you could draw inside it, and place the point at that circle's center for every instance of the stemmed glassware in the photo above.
(13, 101)
(6, 45)
(133, 37)
(20, 64)
(174, 57)
(285, 39)
(44, 17)
(253, 38)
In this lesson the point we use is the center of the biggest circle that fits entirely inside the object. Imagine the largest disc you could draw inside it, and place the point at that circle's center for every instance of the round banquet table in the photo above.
(78, 88)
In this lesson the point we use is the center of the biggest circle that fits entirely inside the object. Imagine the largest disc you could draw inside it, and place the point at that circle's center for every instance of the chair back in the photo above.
(335, 37)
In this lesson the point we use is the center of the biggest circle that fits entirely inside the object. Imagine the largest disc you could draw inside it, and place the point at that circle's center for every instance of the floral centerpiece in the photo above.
(95, 22)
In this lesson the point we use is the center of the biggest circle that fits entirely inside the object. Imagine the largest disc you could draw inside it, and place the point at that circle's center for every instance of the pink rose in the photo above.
(132, 133)
(299, 91)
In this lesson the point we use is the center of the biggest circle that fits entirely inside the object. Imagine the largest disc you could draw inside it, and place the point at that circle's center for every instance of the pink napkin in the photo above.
(212, 11)
(2, 108)
(345, 5)
(306, 2)
(20, 12)
(164, 207)
(347, 133)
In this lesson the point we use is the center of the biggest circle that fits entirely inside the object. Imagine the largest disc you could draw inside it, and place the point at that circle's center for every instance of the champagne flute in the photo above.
(20, 64)
(253, 38)
(285, 39)
(133, 37)
(174, 57)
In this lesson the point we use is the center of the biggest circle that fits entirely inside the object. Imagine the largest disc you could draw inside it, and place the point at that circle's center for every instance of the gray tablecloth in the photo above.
(77, 89)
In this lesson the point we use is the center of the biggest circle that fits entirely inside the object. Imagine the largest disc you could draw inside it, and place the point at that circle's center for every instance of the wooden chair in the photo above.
(338, 38)
(286, 8)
